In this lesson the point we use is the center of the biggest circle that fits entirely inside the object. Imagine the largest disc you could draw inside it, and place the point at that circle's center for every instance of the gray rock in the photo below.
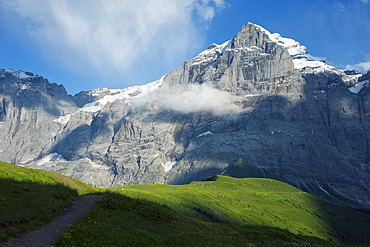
(303, 127)
(28, 106)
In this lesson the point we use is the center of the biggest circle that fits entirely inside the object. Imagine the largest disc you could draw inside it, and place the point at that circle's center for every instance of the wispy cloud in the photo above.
(122, 37)
(365, 1)
(340, 6)
(363, 66)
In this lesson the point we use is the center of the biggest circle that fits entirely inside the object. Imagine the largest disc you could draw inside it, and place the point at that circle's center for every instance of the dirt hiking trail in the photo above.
(49, 233)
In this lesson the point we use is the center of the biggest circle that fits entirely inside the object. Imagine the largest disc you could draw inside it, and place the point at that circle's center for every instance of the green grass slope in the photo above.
(223, 212)
(30, 198)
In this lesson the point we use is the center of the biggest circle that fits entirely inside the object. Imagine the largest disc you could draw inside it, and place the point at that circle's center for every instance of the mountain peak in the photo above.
(250, 35)
(16, 73)
(257, 105)
(254, 35)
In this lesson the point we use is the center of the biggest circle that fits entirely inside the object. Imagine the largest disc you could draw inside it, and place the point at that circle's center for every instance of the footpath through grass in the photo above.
(224, 212)
(30, 198)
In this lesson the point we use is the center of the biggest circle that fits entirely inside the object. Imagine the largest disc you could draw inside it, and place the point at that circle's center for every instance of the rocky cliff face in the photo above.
(256, 106)
(28, 104)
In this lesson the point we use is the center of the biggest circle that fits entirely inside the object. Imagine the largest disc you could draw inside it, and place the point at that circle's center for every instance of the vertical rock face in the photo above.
(255, 106)
(28, 106)
(249, 63)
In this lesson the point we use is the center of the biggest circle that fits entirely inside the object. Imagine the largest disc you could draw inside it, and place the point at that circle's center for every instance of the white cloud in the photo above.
(340, 6)
(364, 66)
(192, 98)
(117, 35)
(365, 1)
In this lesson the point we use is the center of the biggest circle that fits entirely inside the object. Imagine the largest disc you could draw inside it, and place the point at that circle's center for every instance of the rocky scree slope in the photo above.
(256, 106)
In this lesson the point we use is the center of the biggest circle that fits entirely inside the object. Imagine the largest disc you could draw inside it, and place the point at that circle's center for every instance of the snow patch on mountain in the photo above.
(205, 133)
(121, 94)
(63, 119)
(111, 95)
(356, 76)
(357, 88)
(253, 49)
(168, 166)
(210, 54)
(299, 53)
(16, 73)
(49, 158)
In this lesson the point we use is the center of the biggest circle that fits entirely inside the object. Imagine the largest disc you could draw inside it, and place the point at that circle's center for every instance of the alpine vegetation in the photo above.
(258, 105)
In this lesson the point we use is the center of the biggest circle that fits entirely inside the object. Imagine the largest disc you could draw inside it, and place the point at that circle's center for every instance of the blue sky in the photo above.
(87, 44)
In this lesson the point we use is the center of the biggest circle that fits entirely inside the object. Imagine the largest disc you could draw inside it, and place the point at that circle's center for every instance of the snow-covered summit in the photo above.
(301, 59)
(112, 95)
(307, 63)
(16, 73)
(210, 54)
(106, 95)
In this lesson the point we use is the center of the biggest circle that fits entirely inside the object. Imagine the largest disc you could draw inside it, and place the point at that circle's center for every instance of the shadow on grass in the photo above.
(119, 220)
(26, 205)
(349, 226)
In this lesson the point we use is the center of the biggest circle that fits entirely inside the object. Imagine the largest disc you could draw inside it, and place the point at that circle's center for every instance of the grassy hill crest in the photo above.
(222, 211)
(30, 198)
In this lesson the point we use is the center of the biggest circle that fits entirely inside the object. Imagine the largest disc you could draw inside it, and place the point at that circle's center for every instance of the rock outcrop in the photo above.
(276, 112)
(28, 104)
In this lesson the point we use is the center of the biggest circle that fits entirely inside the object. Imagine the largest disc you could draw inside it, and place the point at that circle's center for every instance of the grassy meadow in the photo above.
(222, 211)
(30, 198)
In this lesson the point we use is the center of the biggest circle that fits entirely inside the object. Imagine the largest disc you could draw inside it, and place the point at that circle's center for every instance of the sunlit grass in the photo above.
(258, 202)
(119, 220)
(224, 211)
(30, 198)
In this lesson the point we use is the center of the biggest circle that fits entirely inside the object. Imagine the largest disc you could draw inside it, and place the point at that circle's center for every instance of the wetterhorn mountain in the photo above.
(256, 106)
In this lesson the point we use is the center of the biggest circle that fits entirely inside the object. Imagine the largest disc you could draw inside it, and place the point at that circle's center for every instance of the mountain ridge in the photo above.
(237, 108)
